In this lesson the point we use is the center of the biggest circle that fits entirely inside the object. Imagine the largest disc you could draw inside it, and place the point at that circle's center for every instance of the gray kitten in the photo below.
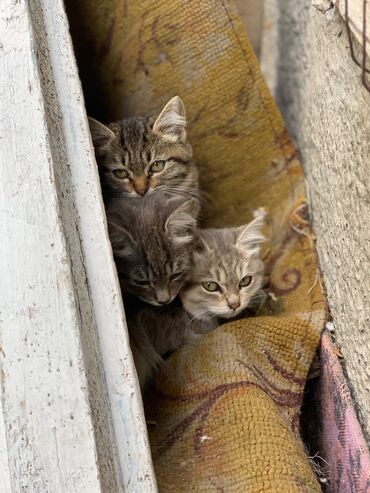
(226, 275)
(139, 156)
(227, 271)
(152, 241)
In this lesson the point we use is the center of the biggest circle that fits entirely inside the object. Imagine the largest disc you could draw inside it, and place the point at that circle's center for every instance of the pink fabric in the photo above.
(343, 443)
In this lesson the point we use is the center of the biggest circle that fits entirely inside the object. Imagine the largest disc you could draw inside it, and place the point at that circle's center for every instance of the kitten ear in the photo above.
(100, 133)
(171, 122)
(123, 243)
(181, 223)
(201, 244)
(250, 237)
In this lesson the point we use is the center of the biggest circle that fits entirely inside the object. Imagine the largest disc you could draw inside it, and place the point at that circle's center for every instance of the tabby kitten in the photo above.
(155, 331)
(152, 241)
(226, 275)
(139, 156)
(227, 271)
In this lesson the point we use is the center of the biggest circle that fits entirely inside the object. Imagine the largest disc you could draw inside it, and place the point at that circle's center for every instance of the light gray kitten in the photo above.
(227, 271)
(226, 275)
(152, 240)
(139, 156)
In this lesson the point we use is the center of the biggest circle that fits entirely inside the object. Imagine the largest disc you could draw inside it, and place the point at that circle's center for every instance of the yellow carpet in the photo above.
(226, 410)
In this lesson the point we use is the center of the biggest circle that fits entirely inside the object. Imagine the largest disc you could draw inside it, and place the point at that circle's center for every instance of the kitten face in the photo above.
(139, 156)
(227, 271)
(152, 242)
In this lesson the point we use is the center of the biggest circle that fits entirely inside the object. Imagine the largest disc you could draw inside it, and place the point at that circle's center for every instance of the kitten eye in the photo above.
(177, 276)
(211, 286)
(157, 166)
(245, 281)
(120, 173)
(140, 283)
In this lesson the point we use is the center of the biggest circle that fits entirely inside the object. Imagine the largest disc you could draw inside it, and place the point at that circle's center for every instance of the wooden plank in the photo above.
(4, 460)
(72, 412)
(123, 389)
(49, 433)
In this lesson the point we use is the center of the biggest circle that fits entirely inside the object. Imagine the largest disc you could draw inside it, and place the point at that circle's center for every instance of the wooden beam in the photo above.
(72, 418)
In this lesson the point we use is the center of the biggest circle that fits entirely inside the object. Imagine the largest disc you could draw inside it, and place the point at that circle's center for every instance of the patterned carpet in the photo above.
(226, 411)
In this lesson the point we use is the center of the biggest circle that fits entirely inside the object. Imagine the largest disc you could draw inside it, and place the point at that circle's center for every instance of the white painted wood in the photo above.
(123, 389)
(72, 411)
(48, 427)
(5, 485)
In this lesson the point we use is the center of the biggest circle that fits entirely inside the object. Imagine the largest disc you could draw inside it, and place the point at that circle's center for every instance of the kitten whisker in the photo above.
(143, 139)
(180, 190)
(190, 323)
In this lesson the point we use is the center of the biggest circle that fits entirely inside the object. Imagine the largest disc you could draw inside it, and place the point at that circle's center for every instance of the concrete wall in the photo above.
(306, 58)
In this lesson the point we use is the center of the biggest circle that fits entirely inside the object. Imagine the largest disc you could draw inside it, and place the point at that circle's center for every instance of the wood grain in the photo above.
(72, 418)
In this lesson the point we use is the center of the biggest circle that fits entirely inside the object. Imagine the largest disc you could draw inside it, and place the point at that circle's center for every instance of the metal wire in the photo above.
(362, 63)
(364, 39)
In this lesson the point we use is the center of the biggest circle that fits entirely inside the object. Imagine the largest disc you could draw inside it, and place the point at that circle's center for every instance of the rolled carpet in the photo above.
(226, 410)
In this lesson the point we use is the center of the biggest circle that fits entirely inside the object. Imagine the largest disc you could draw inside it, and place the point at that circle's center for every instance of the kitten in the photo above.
(226, 275)
(227, 271)
(152, 241)
(154, 332)
(139, 156)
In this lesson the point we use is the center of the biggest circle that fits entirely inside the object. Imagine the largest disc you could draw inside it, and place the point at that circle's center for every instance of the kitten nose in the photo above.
(233, 302)
(163, 296)
(141, 191)
(141, 185)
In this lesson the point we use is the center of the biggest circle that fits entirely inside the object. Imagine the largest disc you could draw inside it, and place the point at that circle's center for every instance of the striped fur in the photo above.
(134, 144)
(224, 256)
(152, 241)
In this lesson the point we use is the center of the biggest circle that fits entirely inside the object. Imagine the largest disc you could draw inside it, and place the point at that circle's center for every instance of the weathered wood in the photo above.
(71, 408)
(44, 389)
(327, 110)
